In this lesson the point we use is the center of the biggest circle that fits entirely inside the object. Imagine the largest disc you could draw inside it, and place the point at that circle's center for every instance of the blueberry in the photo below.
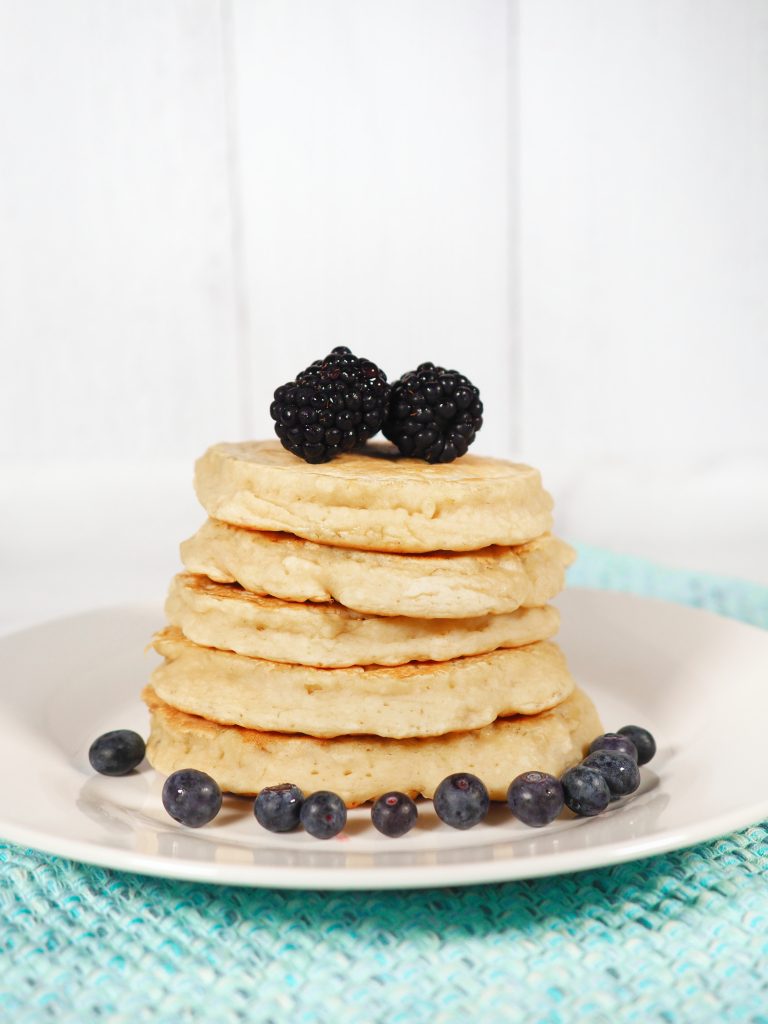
(461, 800)
(323, 814)
(191, 797)
(613, 741)
(644, 742)
(117, 752)
(535, 798)
(619, 771)
(277, 808)
(585, 791)
(394, 814)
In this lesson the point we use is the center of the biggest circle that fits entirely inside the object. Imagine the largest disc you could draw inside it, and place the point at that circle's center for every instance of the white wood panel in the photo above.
(644, 230)
(375, 186)
(79, 535)
(116, 303)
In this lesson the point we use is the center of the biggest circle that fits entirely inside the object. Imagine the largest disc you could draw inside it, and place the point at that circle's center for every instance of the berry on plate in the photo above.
(191, 797)
(535, 798)
(619, 770)
(585, 791)
(434, 414)
(278, 808)
(394, 814)
(613, 741)
(461, 800)
(323, 814)
(643, 741)
(332, 406)
(117, 752)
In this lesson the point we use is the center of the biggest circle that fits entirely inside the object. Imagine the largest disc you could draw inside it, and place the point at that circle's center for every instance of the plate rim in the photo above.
(368, 879)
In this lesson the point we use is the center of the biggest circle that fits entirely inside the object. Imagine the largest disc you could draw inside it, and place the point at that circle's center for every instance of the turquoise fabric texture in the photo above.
(676, 938)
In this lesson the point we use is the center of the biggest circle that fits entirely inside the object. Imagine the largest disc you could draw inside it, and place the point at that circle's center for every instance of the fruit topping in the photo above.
(334, 405)
(434, 414)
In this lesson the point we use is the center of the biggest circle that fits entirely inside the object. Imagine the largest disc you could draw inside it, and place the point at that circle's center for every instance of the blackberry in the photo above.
(434, 414)
(334, 405)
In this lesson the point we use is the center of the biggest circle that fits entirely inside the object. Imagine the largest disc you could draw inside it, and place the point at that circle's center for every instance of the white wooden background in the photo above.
(567, 201)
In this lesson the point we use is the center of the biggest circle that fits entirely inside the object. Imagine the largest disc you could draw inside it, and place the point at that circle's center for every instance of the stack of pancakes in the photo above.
(374, 623)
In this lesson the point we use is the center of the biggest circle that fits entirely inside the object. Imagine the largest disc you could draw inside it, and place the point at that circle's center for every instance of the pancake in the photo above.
(441, 585)
(425, 699)
(375, 499)
(362, 768)
(225, 616)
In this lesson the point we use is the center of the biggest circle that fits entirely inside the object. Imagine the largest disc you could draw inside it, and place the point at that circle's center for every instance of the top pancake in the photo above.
(375, 499)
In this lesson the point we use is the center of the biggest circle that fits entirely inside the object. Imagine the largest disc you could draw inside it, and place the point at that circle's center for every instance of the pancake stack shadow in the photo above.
(366, 625)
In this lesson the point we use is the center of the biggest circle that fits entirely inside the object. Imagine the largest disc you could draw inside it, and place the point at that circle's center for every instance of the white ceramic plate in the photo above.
(696, 680)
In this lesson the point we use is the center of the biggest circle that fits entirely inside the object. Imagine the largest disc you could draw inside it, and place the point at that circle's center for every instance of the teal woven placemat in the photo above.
(677, 938)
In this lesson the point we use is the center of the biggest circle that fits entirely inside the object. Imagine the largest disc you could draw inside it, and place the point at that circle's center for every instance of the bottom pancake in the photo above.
(361, 768)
